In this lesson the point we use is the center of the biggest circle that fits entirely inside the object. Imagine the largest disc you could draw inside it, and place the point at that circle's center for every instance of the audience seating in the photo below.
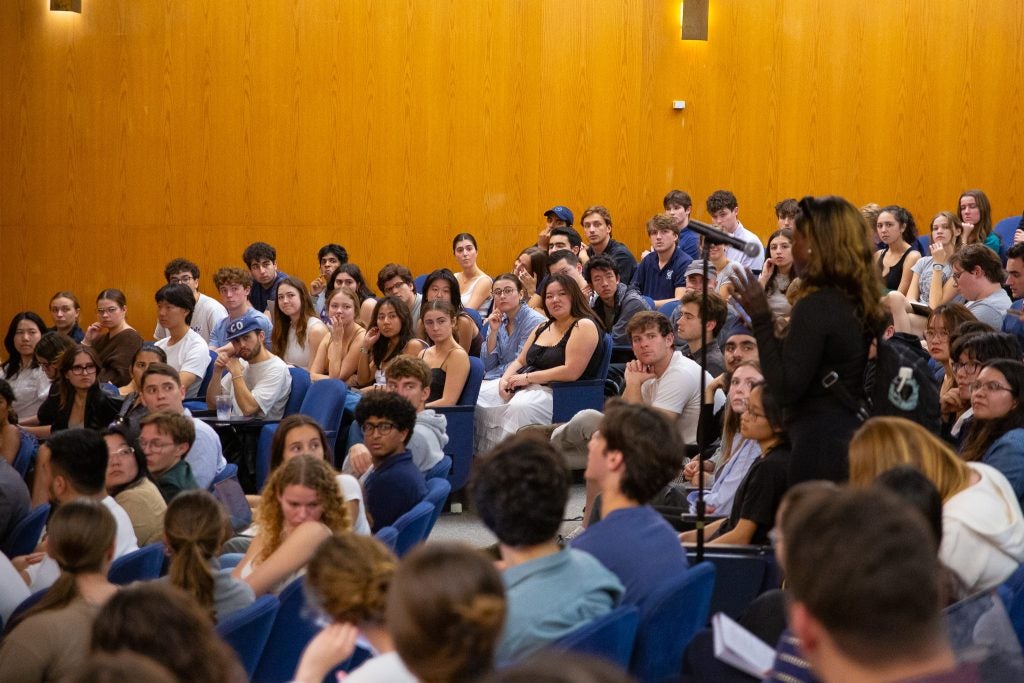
(471, 391)
(744, 572)
(413, 526)
(437, 494)
(199, 403)
(230, 470)
(141, 565)
(667, 309)
(291, 632)
(1012, 593)
(25, 536)
(263, 454)
(669, 619)
(300, 385)
(419, 281)
(650, 303)
(247, 630)
(461, 428)
(388, 535)
(610, 637)
(26, 454)
(570, 398)
(324, 401)
(475, 315)
(26, 604)
(440, 470)
(1004, 230)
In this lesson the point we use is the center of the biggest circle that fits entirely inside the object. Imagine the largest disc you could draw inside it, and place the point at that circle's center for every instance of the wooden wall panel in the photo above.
(143, 130)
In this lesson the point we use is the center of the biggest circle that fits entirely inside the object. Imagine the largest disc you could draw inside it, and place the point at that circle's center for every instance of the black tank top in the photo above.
(895, 274)
(546, 357)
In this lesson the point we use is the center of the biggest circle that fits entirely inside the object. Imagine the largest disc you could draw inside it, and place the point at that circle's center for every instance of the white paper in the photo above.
(738, 647)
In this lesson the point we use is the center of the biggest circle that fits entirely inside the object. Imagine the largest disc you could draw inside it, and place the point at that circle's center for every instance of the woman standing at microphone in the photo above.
(836, 314)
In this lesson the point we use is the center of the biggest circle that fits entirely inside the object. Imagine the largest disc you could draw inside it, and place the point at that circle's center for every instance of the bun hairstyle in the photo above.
(446, 610)
(349, 576)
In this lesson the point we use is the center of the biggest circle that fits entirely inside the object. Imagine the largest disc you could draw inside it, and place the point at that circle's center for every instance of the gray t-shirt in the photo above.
(923, 268)
(992, 309)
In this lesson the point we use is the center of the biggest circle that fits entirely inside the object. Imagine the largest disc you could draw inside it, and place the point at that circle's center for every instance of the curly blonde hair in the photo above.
(840, 256)
(349, 576)
(313, 473)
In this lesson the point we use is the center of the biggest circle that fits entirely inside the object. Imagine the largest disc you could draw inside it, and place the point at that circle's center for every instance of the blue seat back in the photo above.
(207, 376)
(471, 391)
(669, 619)
(475, 315)
(742, 576)
(263, 454)
(440, 470)
(610, 637)
(300, 385)
(247, 630)
(325, 402)
(419, 281)
(460, 429)
(291, 632)
(437, 494)
(230, 470)
(24, 606)
(1004, 230)
(1012, 593)
(26, 454)
(412, 527)
(668, 308)
(649, 301)
(569, 398)
(143, 564)
(388, 535)
(25, 536)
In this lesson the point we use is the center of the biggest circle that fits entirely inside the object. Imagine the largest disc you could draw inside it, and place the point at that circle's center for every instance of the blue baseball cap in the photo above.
(243, 325)
(562, 212)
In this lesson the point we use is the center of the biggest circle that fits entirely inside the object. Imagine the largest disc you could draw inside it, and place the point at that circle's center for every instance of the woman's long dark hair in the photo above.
(125, 431)
(380, 353)
(579, 307)
(283, 323)
(12, 366)
(984, 432)
(455, 292)
(352, 269)
(785, 233)
(67, 392)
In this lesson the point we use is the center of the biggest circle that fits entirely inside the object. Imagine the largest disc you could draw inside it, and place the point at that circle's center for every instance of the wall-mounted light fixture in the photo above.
(66, 6)
(693, 21)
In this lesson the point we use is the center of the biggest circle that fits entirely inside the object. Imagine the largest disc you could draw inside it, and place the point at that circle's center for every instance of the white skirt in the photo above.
(497, 420)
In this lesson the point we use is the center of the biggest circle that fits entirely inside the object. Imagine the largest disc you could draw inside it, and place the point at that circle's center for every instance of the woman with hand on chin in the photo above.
(976, 217)
(778, 272)
(390, 336)
(113, 339)
(338, 354)
(475, 284)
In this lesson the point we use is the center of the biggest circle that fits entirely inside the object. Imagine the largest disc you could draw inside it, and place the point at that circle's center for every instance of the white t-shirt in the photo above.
(191, 354)
(678, 391)
(31, 387)
(270, 384)
(387, 667)
(734, 254)
(983, 531)
(46, 572)
(207, 314)
(351, 490)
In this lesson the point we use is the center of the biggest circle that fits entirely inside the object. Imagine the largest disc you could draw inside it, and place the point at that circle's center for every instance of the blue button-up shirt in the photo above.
(508, 346)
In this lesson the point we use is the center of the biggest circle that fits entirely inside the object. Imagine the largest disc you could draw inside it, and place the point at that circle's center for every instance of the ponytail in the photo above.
(194, 527)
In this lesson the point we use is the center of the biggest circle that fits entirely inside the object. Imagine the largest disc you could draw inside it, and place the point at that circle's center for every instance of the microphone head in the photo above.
(752, 249)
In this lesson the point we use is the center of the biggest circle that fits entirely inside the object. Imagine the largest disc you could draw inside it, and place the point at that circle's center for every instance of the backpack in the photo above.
(897, 383)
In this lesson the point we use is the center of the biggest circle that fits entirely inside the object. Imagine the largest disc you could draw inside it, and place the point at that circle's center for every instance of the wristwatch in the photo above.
(937, 267)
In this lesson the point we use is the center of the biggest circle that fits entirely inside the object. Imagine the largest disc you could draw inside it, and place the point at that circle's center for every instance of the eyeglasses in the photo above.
(956, 275)
(689, 316)
(382, 428)
(107, 311)
(746, 409)
(87, 369)
(180, 280)
(970, 366)
(936, 334)
(395, 288)
(155, 446)
(123, 452)
(506, 291)
(988, 387)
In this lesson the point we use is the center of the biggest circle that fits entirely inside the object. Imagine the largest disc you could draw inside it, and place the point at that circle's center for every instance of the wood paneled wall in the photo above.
(142, 130)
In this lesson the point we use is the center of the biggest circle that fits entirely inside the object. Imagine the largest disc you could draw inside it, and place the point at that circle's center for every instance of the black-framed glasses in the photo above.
(989, 387)
(382, 428)
(86, 369)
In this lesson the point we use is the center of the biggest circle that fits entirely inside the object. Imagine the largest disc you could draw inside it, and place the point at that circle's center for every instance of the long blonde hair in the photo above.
(840, 256)
(313, 473)
(731, 419)
(883, 443)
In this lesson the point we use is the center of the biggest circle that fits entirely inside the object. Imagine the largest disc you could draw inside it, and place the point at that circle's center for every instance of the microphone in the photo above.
(716, 236)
